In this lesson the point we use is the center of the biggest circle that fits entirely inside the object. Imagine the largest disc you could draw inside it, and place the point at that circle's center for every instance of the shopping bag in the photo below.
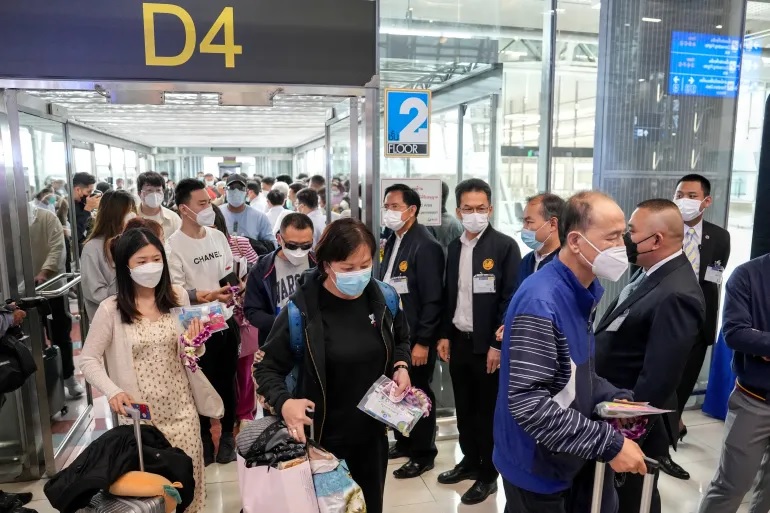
(249, 339)
(335, 489)
(288, 488)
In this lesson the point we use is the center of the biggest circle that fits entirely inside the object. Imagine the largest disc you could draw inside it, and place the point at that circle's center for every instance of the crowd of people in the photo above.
(528, 357)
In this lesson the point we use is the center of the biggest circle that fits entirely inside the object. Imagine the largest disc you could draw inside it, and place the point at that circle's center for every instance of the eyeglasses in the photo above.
(291, 246)
(478, 210)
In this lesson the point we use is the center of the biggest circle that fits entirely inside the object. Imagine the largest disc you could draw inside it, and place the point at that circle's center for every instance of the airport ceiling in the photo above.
(415, 53)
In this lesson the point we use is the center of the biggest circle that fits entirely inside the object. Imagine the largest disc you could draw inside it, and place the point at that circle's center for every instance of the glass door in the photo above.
(341, 153)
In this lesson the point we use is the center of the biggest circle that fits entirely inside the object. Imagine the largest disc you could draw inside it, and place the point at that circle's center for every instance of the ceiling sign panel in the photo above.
(312, 42)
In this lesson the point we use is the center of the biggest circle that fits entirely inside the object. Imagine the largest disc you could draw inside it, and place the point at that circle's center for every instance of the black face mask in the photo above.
(632, 248)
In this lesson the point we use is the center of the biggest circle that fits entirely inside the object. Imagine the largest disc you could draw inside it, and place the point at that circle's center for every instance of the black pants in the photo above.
(630, 485)
(368, 463)
(219, 363)
(420, 445)
(59, 329)
(691, 372)
(475, 397)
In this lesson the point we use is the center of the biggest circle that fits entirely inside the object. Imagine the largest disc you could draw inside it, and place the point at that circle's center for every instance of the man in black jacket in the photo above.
(276, 276)
(645, 337)
(481, 277)
(413, 263)
(83, 185)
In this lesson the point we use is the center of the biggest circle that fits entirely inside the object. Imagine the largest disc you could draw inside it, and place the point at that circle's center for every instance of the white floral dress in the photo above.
(164, 386)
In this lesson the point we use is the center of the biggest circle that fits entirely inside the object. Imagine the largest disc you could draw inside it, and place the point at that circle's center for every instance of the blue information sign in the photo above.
(705, 64)
(407, 123)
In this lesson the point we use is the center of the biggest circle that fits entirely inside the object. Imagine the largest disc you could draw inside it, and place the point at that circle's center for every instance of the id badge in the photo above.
(618, 322)
(400, 284)
(714, 274)
(484, 284)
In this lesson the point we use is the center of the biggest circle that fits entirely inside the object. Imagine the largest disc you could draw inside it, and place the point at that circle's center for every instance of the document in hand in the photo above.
(626, 410)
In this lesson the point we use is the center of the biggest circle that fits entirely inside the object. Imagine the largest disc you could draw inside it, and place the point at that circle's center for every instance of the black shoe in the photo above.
(457, 474)
(412, 469)
(23, 498)
(668, 466)
(226, 452)
(478, 493)
(394, 452)
(208, 451)
(682, 433)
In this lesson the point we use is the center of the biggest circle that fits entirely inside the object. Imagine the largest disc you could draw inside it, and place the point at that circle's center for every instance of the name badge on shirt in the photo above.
(618, 322)
(399, 283)
(484, 284)
(714, 273)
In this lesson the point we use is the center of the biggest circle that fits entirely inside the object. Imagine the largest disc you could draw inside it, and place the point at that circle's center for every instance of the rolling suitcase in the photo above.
(54, 380)
(104, 502)
(649, 480)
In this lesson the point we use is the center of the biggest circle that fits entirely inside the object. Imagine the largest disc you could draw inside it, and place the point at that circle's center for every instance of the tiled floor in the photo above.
(699, 454)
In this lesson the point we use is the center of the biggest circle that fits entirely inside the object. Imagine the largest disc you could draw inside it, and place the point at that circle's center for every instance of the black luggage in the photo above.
(649, 481)
(16, 362)
(54, 381)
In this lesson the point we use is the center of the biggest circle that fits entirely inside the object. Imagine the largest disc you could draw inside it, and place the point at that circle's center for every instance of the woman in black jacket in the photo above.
(351, 339)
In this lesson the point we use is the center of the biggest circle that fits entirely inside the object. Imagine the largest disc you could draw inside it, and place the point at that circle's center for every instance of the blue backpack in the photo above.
(297, 335)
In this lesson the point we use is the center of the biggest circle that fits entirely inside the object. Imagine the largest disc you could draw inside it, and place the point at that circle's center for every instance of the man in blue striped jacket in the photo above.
(544, 432)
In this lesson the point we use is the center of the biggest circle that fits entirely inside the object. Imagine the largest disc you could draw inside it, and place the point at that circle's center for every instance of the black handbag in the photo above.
(16, 362)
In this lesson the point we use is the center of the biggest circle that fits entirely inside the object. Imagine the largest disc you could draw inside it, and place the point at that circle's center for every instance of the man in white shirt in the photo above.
(275, 201)
(152, 192)
(256, 198)
(308, 204)
(200, 258)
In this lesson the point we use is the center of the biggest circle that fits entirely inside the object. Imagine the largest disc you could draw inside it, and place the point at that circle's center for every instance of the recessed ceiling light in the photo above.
(652, 20)
(641, 80)
(719, 26)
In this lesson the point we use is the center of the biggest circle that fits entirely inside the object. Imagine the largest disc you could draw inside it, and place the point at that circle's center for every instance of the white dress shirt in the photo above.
(463, 315)
(393, 254)
(662, 263)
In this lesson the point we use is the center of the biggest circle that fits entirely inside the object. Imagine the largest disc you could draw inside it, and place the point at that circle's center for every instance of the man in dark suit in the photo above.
(707, 247)
(413, 263)
(481, 275)
(645, 337)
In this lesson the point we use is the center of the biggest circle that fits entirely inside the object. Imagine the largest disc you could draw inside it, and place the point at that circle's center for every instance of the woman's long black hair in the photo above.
(123, 248)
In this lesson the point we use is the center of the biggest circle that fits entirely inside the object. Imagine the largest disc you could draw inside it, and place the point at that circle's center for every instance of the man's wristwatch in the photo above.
(400, 366)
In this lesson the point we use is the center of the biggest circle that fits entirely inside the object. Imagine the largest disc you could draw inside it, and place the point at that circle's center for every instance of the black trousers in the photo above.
(59, 330)
(691, 372)
(219, 363)
(368, 464)
(475, 397)
(420, 445)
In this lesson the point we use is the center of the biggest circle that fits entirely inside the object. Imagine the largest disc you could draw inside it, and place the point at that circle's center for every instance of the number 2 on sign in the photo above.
(412, 133)
(225, 24)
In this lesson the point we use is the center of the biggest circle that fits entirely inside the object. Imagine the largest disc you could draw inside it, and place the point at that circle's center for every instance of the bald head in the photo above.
(657, 229)
(589, 209)
(663, 216)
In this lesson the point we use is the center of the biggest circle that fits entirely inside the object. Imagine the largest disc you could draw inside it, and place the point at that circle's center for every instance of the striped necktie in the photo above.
(630, 288)
(691, 250)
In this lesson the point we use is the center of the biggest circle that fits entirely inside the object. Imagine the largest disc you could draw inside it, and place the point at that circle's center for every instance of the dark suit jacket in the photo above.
(715, 247)
(648, 351)
(502, 257)
(422, 260)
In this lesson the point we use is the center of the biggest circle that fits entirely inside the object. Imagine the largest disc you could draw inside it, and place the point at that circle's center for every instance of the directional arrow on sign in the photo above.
(676, 80)
(691, 81)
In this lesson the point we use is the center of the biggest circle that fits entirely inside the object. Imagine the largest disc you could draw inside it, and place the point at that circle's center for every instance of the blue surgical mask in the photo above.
(236, 197)
(529, 238)
(353, 283)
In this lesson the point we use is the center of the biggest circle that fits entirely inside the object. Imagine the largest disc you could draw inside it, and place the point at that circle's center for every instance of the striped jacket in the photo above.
(548, 386)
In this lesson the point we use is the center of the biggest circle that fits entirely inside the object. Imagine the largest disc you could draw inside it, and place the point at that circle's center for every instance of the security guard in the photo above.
(482, 265)
(413, 263)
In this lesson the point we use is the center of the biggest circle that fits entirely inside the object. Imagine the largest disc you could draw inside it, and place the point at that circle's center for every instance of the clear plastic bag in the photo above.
(211, 315)
(399, 413)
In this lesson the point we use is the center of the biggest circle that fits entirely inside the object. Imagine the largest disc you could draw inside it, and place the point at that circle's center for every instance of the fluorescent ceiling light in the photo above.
(651, 20)
(719, 26)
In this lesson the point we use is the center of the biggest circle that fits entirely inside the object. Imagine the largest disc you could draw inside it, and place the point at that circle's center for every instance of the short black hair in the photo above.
(658, 205)
(472, 185)
(83, 179)
(269, 180)
(308, 197)
(103, 187)
(321, 195)
(318, 180)
(444, 194)
(551, 205)
(255, 187)
(577, 213)
(185, 188)
(276, 197)
(341, 239)
(297, 221)
(411, 197)
(164, 174)
(284, 178)
(149, 178)
(296, 187)
(301, 176)
(704, 182)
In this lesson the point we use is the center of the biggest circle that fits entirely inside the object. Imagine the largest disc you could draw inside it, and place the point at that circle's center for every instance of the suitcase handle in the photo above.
(134, 414)
(653, 467)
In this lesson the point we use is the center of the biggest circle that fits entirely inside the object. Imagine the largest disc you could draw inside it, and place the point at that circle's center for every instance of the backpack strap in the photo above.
(392, 299)
(296, 341)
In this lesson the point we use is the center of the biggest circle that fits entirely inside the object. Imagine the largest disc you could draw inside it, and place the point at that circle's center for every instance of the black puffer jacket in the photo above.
(112, 455)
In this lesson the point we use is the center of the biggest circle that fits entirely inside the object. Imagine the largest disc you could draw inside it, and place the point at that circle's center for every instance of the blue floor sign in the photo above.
(407, 123)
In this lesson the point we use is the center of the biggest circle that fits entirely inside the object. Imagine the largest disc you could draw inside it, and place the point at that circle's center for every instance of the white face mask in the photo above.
(475, 223)
(392, 219)
(609, 264)
(690, 208)
(296, 256)
(235, 197)
(153, 199)
(206, 217)
(147, 275)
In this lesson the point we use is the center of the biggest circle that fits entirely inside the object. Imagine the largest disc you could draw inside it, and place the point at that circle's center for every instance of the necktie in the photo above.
(630, 288)
(691, 250)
